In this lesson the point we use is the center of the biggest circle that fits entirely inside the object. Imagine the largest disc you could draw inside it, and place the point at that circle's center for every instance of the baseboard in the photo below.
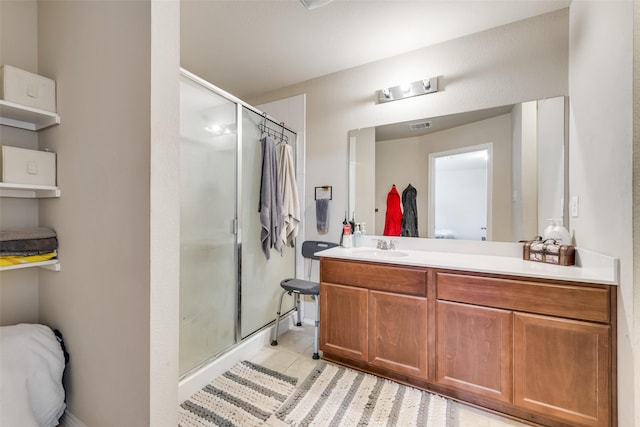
(70, 420)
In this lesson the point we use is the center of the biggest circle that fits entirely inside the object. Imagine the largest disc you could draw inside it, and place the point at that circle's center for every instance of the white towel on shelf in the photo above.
(270, 208)
(289, 191)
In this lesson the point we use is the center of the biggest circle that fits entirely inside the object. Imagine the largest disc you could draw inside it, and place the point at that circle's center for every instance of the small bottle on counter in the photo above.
(346, 236)
(357, 236)
(352, 223)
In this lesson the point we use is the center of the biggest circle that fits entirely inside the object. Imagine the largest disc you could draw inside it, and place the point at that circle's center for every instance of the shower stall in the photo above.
(228, 289)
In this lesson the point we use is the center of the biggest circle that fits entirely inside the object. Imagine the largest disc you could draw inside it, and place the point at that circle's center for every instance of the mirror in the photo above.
(526, 162)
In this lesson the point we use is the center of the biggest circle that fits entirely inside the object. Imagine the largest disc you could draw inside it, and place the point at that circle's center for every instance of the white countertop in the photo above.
(485, 258)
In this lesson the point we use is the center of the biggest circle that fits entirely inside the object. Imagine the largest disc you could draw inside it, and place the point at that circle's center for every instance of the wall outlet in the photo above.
(574, 207)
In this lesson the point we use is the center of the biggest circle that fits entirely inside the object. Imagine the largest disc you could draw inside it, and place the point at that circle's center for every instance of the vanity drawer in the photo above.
(563, 300)
(396, 279)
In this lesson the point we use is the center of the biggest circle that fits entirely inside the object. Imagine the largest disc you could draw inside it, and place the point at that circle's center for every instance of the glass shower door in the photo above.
(208, 264)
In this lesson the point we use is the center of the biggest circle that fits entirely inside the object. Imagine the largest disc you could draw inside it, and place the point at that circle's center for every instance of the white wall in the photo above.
(635, 336)
(516, 171)
(363, 162)
(19, 288)
(601, 158)
(550, 144)
(115, 298)
(164, 214)
(401, 162)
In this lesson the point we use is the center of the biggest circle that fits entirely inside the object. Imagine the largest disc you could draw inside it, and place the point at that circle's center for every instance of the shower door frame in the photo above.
(237, 222)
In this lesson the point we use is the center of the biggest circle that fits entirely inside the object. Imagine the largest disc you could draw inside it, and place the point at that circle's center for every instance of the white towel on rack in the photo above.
(271, 218)
(289, 191)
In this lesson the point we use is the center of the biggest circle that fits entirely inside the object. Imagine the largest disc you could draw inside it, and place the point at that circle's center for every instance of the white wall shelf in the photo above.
(52, 264)
(23, 117)
(33, 119)
(28, 191)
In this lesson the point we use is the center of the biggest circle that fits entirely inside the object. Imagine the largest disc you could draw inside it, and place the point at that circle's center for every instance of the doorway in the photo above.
(460, 191)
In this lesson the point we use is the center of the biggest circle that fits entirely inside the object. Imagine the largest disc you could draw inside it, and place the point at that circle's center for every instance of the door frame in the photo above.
(432, 183)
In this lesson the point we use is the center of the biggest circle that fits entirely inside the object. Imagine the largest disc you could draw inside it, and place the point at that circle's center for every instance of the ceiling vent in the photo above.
(314, 4)
(420, 125)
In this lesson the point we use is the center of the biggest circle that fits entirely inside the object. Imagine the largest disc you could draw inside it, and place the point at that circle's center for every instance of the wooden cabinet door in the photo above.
(343, 321)
(561, 368)
(398, 333)
(474, 349)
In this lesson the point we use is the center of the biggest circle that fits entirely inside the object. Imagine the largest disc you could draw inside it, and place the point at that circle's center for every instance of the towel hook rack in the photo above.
(277, 134)
(323, 188)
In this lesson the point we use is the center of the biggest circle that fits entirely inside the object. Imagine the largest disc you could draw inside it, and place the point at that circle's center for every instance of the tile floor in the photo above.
(292, 356)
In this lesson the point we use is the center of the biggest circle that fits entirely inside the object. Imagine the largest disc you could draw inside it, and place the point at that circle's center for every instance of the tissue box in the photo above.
(549, 251)
(22, 166)
(29, 89)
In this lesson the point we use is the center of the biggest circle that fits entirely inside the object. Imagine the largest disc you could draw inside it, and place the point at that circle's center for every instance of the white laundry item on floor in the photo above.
(31, 368)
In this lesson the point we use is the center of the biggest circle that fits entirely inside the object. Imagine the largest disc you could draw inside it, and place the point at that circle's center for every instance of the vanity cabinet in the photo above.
(398, 333)
(562, 367)
(345, 306)
(474, 348)
(542, 346)
(375, 315)
(539, 350)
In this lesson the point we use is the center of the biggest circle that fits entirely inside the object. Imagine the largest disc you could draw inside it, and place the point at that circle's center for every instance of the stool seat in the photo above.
(300, 286)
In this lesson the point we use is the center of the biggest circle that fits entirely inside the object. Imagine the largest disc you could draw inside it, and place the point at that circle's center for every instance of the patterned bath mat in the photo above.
(245, 395)
(337, 396)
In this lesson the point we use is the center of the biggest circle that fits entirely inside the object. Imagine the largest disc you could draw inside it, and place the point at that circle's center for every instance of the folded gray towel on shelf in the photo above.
(27, 233)
(322, 215)
(28, 246)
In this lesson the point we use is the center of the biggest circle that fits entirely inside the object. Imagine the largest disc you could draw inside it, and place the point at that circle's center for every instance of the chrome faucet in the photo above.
(386, 245)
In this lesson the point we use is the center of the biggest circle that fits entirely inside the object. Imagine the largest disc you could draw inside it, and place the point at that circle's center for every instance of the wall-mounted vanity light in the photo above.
(407, 90)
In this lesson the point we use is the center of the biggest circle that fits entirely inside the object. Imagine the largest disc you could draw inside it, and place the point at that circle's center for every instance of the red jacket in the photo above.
(393, 219)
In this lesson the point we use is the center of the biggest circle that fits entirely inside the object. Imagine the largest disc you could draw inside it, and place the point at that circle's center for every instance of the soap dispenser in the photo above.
(357, 236)
(347, 241)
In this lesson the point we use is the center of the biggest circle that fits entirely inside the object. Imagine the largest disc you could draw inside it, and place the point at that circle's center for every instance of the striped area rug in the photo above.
(246, 395)
(337, 396)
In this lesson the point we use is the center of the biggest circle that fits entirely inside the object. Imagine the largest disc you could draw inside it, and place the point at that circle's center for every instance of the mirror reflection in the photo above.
(495, 174)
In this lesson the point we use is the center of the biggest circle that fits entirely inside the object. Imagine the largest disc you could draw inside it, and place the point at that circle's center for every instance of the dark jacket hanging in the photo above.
(393, 218)
(409, 212)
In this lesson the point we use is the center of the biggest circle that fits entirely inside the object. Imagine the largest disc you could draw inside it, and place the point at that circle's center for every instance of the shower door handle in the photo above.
(234, 226)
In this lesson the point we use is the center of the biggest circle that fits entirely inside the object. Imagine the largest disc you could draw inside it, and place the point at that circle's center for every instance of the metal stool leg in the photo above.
(297, 304)
(316, 356)
(274, 341)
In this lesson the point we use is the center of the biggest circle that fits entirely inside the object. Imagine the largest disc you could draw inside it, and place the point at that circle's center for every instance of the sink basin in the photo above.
(378, 253)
